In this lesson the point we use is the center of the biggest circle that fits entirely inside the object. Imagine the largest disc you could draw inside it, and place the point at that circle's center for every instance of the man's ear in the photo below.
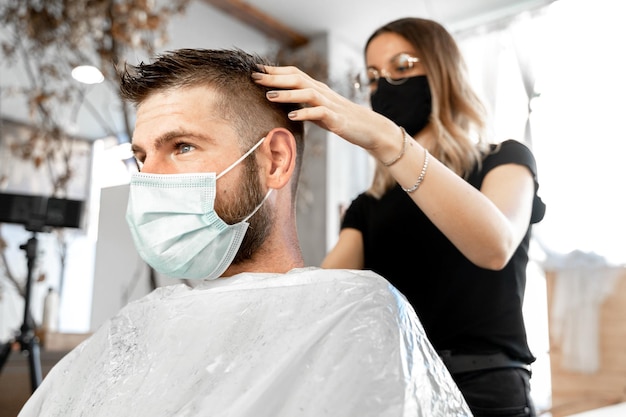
(280, 146)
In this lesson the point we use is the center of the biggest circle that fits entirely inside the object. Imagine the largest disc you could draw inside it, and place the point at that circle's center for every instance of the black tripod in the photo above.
(27, 339)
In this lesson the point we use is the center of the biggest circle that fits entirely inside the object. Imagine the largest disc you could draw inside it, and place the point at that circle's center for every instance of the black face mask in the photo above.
(408, 104)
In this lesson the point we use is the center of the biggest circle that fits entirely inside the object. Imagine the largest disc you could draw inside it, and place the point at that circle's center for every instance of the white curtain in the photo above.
(565, 63)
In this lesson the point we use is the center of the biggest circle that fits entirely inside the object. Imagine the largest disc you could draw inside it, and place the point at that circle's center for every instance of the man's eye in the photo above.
(184, 147)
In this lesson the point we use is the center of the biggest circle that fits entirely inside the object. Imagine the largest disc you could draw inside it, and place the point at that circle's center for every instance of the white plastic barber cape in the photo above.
(311, 342)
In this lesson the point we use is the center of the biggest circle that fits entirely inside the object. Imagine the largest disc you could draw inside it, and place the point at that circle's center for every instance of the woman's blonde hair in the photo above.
(458, 117)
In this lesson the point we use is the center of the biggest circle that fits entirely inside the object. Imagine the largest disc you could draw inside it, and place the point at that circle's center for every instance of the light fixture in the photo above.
(87, 74)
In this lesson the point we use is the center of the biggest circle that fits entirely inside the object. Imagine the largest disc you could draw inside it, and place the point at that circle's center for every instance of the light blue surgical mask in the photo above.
(175, 228)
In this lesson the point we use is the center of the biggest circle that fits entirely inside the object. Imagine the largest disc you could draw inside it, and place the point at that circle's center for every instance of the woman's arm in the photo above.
(486, 226)
(347, 252)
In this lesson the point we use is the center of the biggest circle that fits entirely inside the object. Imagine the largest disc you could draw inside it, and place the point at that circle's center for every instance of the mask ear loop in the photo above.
(244, 156)
(234, 164)
(259, 206)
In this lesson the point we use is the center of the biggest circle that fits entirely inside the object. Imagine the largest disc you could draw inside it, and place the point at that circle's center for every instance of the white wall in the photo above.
(350, 168)
(212, 29)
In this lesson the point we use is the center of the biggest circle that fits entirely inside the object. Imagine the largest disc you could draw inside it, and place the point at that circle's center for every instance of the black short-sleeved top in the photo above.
(464, 308)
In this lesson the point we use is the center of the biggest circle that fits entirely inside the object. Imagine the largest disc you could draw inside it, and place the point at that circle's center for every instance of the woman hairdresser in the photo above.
(447, 219)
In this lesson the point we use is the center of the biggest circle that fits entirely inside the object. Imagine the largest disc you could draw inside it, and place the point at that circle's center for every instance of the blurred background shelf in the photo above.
(15, 387)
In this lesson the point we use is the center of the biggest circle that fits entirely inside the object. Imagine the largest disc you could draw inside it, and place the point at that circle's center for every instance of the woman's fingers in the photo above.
(282, 77)
(287, 69)
(306, 96)
(294, 86)
(323, 106)
(289, 78)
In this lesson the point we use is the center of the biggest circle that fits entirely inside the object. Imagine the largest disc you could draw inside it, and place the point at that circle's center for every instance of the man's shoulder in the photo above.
(358, 280)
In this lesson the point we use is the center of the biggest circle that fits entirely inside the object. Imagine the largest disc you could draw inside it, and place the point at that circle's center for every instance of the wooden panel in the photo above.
(574, 392)
(15, 386)
(260, 21)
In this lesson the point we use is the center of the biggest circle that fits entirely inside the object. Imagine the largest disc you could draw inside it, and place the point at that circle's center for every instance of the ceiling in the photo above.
(354, 20)
(235, 23)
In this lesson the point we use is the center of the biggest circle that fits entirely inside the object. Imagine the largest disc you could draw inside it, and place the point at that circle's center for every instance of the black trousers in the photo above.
(502, 392)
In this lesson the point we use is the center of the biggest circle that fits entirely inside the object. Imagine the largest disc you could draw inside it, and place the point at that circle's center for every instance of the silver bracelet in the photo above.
(422, 174)
(397, 158)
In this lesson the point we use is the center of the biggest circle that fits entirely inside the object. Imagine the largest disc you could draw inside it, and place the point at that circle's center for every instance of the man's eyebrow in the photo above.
(162, 140)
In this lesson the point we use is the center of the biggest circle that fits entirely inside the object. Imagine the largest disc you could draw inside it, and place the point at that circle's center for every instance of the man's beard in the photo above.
(250, 196)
